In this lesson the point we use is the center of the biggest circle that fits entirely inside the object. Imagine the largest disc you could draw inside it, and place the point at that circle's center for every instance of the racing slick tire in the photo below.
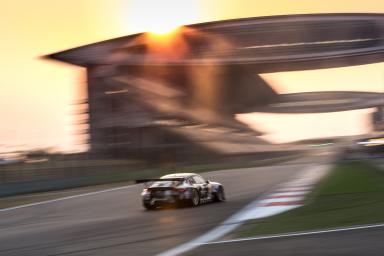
(149, 206)
(219, 195)
(195, 199)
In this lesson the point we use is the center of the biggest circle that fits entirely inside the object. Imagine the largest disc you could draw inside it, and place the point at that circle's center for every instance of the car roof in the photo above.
(178, 175)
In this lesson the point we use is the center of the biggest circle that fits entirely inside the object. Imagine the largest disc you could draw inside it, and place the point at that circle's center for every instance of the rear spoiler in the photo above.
(154, 180)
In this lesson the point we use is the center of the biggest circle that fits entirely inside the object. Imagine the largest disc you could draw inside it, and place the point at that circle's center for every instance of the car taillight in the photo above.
(180, 190)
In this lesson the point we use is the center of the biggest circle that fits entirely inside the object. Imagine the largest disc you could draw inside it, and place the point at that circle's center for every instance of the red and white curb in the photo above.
(284, 197)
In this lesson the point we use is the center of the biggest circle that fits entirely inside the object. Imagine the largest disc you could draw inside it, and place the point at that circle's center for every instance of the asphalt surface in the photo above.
(348, 243)
(115, 223)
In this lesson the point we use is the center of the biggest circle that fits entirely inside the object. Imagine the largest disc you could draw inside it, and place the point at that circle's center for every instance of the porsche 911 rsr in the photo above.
(180, 189)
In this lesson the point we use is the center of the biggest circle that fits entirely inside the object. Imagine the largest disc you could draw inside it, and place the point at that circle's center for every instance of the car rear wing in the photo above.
(148, 182)
(154, 180)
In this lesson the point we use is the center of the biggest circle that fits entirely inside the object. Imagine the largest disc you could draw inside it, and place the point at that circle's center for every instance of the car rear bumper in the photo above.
(164, 201)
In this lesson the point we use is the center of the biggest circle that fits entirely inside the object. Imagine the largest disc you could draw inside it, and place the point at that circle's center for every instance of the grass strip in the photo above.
(352, 194)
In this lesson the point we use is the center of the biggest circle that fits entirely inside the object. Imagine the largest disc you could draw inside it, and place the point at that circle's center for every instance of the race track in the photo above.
(114, 222)
(351, 242)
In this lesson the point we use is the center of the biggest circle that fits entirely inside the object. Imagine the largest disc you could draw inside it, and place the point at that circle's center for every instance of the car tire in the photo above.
(220, 195)
(149, 206)
(195, 199)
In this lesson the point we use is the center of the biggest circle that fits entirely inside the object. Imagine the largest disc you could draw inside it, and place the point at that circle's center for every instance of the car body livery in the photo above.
(180, 189)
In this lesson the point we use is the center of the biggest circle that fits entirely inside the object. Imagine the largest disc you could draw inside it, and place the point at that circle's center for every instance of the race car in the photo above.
(180, 189)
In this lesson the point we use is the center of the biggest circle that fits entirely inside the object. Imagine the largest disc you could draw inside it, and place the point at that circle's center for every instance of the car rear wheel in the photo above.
(149, 206)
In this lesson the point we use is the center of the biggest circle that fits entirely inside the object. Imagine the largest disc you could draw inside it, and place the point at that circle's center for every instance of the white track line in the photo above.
(282, 200)
(64, 198)
(316, 232)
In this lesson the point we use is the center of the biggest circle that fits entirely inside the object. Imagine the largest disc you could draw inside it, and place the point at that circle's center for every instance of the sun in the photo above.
(160, 17)
(163, 28)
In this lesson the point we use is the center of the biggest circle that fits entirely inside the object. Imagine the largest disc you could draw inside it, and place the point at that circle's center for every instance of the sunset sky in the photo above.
(37, 96)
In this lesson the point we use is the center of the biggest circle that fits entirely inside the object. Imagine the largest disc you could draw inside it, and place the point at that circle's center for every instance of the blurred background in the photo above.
(51, 117)
(43, 96)
(256, 95)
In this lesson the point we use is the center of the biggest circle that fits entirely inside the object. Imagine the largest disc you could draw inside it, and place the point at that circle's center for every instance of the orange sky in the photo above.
(37, 95)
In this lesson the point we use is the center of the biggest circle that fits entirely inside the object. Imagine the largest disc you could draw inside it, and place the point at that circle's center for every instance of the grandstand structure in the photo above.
(153, 96)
